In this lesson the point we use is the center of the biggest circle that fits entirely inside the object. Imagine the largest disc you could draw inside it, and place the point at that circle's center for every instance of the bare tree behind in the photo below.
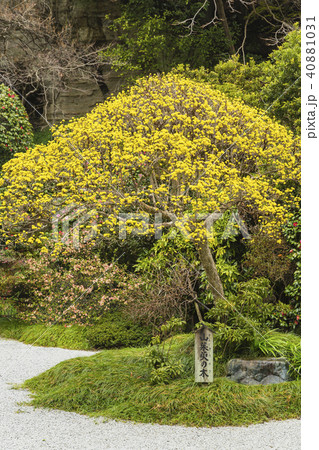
(36, 59)
(272, 12)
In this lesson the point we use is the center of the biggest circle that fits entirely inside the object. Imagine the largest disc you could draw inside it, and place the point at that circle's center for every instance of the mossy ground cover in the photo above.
(113, 330)
(115, 384)
(42, 136)
(73, 338)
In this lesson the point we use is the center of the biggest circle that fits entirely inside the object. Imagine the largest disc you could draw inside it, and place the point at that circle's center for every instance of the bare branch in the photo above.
(191, 21)
(36, 59)
(274, 18)
(215, 17)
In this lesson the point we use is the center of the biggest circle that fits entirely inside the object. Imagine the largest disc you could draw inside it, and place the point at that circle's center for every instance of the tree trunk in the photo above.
(221, 11)
(199, 314)
(208, 263)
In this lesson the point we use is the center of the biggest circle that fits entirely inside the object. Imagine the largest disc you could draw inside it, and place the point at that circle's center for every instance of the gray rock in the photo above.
(87, 18)
(258, 371)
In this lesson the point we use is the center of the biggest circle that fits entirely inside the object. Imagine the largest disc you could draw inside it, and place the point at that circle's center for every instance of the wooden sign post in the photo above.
(204, 355)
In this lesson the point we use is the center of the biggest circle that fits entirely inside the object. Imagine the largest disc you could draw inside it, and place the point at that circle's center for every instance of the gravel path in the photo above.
(23, 427)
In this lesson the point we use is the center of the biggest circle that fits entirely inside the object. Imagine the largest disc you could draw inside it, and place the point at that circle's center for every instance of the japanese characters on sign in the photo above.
(204, 355)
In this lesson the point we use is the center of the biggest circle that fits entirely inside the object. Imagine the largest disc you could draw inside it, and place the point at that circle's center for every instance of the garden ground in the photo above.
(24, 427)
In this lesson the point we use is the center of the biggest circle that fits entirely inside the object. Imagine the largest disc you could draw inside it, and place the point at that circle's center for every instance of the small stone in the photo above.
(258, 371)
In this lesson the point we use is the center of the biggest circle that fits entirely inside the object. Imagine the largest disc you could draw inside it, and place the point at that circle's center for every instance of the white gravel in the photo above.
(23, 427)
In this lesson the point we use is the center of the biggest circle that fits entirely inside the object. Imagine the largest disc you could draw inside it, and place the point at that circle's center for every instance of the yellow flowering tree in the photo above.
(169, 147)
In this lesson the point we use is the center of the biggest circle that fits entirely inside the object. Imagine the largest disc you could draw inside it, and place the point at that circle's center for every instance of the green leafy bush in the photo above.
(285, 317)
(235, 79)
(279, 260)
(15, 129)
(148, 41)
(164, 374)
(159, 358)
(292, 233)
(251, 316)
(114, 329)
(281, 263)
(238, 318)
(282, 88)
(286, 345)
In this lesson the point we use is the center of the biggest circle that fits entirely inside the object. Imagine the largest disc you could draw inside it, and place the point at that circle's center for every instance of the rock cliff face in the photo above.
(89, 26)
(87, 18)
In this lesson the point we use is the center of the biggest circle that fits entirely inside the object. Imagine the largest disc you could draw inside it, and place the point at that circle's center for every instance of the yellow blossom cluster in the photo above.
(168, 145)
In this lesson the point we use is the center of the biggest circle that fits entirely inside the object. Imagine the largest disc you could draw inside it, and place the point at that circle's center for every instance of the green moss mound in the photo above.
(115, 384)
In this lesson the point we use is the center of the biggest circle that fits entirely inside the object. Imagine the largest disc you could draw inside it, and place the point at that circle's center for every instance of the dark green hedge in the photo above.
(116, 330)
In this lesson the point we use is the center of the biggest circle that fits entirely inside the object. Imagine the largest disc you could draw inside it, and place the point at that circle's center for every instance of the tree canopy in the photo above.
(167, 146)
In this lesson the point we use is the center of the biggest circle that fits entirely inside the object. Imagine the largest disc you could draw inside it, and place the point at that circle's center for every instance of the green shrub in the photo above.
(165, 366)
(244, 325)
(115, 330)
(286, 345)
(238, 318)
(285, 317)
(282, 89)
(15, 129)
(164, 374)
(292, 233)
(148, 43)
